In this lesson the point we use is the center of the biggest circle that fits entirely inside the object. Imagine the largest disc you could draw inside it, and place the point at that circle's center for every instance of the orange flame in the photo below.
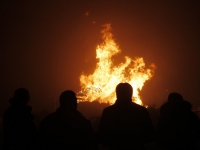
(100, 86)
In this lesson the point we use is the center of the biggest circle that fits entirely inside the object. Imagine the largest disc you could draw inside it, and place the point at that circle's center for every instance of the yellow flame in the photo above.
(100, 86)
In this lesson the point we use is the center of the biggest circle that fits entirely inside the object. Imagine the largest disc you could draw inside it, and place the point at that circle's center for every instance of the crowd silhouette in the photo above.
(66, 128)
(124, 125)
(19, 129)
(178, 127)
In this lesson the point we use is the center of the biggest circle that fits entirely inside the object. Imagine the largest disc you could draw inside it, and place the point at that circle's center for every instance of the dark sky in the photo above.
(46, 45)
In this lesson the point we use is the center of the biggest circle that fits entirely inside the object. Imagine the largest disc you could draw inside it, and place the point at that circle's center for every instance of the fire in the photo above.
(100, 86)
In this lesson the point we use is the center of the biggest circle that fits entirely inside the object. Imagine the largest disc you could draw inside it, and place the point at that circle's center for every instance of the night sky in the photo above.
(46, 45)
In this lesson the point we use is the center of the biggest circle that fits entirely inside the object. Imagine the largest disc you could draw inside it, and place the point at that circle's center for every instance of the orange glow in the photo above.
(100, 86)
(87, 13)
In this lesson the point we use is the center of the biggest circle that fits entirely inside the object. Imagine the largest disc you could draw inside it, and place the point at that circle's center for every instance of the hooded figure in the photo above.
(178, 127)
(18, 125)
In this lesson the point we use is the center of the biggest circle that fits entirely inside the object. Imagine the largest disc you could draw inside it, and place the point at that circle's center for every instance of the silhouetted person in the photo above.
(178, 127)
(66, 128)
(125, 125)
(18, 125)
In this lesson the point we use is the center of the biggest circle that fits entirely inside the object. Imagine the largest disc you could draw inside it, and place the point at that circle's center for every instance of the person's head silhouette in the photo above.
(175, 98)
(68, 100)
(21, 97)
(124, 91)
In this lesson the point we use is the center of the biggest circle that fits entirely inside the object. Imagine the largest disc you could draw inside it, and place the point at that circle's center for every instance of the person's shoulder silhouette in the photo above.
(66, 128)
(178, 126)
(18, 125)
(125, 125)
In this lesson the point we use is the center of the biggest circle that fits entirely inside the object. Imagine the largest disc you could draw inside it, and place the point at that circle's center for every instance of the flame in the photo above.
(100, 86)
